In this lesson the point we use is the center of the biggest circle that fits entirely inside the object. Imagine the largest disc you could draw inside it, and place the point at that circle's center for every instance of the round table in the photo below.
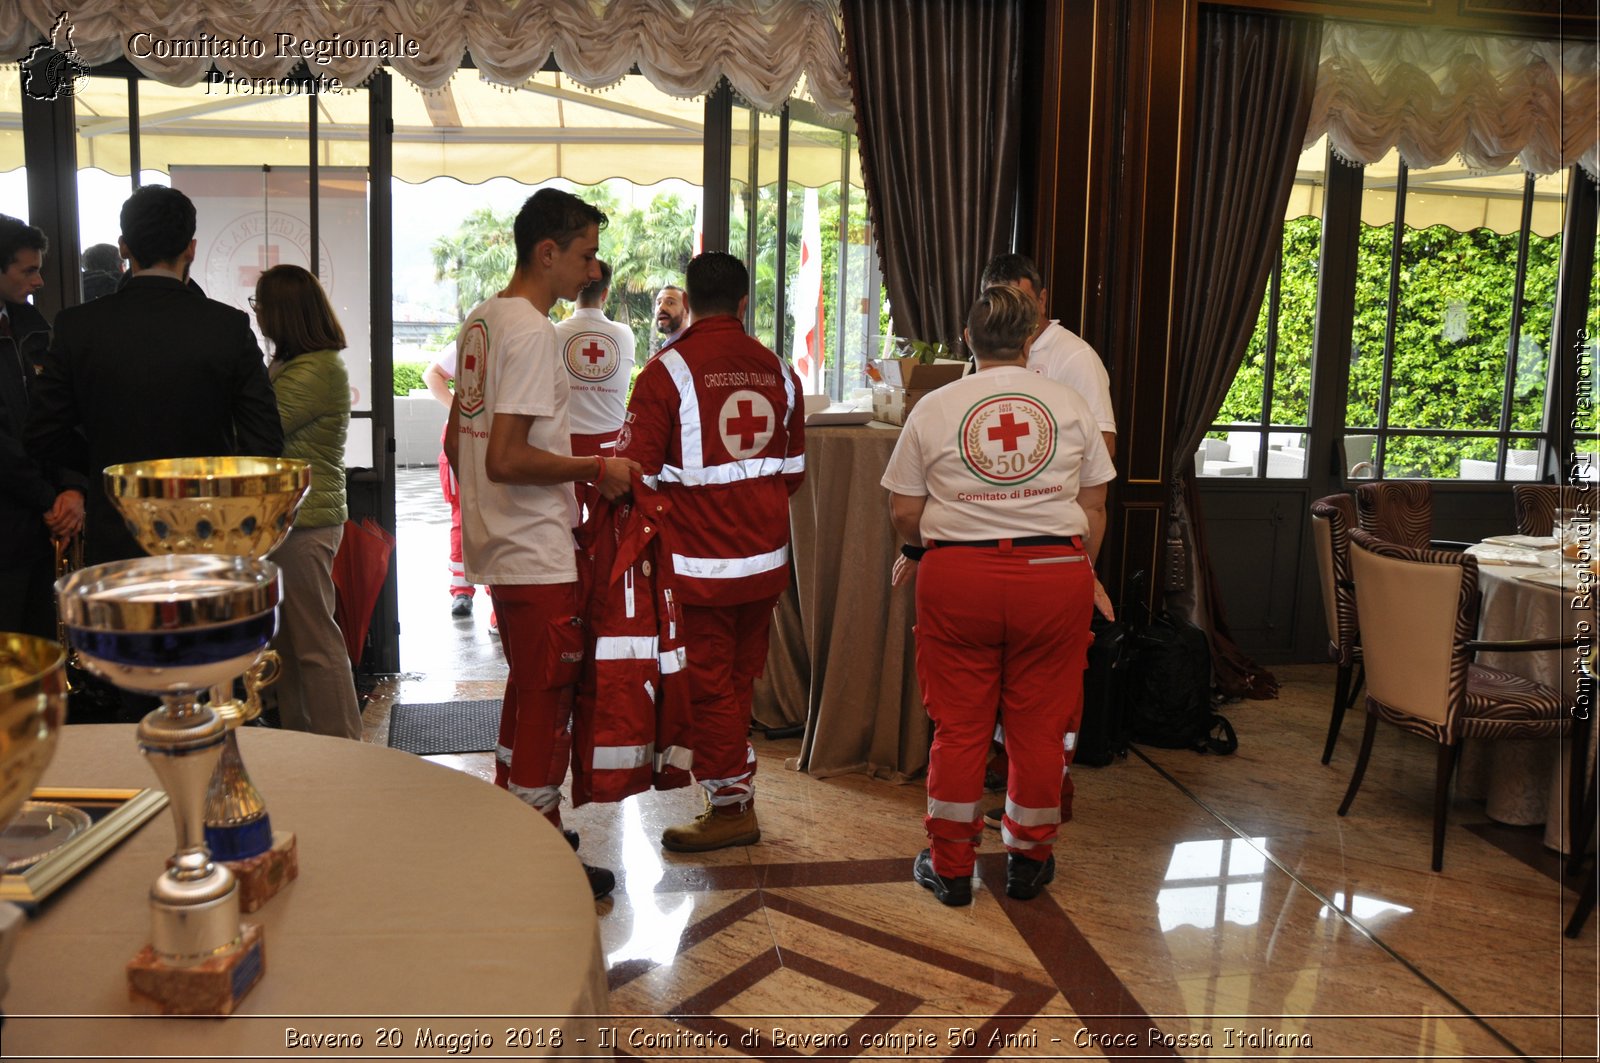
(428, 904)
(1523, 781)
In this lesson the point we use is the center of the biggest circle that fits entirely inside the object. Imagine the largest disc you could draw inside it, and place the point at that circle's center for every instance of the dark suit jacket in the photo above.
(26, 489)
(151, 371)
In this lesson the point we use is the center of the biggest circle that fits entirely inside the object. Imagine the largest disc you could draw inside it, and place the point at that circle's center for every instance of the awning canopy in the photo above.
(470, 130)
(1443, 195)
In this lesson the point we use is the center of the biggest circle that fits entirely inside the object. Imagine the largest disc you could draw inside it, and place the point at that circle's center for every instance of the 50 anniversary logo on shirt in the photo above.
(1007, 439)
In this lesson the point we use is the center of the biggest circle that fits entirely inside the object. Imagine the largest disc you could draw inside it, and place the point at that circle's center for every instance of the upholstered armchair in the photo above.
(1536, 504)
(1418, 614)
(1332, 520)
(1401, 511)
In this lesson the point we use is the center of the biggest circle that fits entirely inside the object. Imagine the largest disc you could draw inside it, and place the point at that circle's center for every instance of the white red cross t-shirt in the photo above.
(1000, 454)
(507, 363)
(598, 354)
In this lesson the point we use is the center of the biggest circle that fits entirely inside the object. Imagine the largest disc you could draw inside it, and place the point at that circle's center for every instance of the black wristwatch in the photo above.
(913, 552)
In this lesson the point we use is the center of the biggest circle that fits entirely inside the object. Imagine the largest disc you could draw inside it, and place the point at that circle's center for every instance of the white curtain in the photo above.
(764, 47)
(1436, 95)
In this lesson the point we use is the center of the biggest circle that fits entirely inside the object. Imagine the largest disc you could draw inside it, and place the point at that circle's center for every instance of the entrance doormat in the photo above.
(445, 727)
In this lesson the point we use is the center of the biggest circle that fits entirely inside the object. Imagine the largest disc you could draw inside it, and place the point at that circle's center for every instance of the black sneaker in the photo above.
(1025, 878)
(601, 881)
(992, 817)
(572, 838)
(460, 605)
(952, 891)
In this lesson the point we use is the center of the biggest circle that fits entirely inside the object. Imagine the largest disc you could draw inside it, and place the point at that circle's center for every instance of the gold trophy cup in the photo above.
(33, 706)
(242, 507)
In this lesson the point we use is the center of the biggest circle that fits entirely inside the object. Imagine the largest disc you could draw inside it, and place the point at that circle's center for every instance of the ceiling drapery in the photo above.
(1436, 95)
(763, 47)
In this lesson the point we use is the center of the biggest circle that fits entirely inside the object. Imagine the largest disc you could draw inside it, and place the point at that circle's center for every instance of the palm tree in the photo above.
(478, 257)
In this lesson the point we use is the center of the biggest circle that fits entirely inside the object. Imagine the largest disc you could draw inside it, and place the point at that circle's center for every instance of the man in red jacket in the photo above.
(717, 423)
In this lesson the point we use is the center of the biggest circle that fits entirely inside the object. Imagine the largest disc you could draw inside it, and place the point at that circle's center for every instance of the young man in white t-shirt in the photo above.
(509, 444)
(598, 355)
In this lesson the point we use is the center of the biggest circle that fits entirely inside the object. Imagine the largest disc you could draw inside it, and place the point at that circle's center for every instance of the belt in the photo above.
(1025, 540)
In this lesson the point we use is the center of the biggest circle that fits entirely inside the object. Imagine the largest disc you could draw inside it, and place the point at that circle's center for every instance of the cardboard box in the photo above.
(912, 375)
(891, 405)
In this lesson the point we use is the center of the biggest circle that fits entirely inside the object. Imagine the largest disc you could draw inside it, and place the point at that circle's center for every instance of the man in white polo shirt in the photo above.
(1054, 351)
(598, 354)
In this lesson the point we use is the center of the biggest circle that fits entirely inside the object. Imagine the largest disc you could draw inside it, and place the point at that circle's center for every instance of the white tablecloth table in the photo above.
(427, 900)
(1523, 781)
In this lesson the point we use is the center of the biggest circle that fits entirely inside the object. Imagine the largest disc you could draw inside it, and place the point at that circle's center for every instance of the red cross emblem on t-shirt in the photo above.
(1008, 431)
(593, 352)
(747, 425)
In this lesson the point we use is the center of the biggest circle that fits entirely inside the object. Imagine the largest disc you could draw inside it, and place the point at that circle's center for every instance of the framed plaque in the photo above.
(62, 830)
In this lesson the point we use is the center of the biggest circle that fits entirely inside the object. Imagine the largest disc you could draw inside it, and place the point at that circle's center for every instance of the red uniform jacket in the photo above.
(718, 423)
(631, 730)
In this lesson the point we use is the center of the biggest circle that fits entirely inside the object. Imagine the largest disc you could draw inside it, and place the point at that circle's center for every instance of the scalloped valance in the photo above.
(1436, 95)
(763, 47)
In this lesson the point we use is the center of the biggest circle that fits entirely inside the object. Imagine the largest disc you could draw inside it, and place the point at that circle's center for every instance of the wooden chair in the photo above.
(1536, 505)
(1400, 511)
(1332, 519)
(1418, 614)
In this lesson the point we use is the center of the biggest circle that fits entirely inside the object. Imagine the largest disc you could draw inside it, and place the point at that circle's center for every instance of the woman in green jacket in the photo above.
(316, 690)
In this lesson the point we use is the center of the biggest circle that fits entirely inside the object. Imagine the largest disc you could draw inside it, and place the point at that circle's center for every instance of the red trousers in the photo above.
(605, 446)
(452, 495)
(1000, 632)
(727, 649)
(544, 648)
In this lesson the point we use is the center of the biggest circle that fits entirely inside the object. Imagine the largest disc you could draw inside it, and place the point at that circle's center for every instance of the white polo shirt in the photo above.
(506, 363)
(598, 354)
(1000, 454)
(1064, 357)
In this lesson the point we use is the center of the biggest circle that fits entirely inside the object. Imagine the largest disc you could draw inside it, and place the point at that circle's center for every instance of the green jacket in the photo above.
(314, 403)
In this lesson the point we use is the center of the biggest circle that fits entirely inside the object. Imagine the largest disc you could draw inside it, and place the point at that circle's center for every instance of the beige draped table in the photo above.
(1523, 781)
(843, 661)
(429, 904)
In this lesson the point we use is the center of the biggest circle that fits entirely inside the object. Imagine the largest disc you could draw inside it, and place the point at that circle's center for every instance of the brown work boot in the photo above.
(718, 827)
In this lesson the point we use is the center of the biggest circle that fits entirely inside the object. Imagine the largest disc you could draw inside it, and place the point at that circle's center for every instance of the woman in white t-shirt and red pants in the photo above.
(998, 485)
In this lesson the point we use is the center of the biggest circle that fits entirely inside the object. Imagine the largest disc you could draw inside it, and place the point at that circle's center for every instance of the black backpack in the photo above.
(1103, 731)
(1168, 689)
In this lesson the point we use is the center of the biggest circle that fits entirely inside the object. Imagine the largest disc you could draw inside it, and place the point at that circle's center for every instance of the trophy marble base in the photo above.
(262, 876)
(214, 987)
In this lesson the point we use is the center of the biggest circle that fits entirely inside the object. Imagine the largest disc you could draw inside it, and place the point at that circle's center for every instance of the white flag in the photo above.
(806, 299)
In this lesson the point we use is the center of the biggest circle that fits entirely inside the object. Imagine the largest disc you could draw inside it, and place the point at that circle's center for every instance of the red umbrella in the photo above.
(359, 569)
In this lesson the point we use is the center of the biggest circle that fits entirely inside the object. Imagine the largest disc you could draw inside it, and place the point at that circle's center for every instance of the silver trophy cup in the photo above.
(175, 627)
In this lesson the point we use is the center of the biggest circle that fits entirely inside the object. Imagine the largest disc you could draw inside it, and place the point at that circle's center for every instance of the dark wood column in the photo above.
(50, 152)
(1113, 88)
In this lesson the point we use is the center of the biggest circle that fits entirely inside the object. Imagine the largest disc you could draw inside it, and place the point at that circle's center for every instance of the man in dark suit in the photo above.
(35, 503)
(151, 371)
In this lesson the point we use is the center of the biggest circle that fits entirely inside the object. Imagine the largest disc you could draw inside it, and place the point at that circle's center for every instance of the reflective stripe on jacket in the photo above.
(632, 729)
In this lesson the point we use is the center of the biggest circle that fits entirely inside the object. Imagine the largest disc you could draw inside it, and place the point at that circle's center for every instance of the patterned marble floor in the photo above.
(1203, 907)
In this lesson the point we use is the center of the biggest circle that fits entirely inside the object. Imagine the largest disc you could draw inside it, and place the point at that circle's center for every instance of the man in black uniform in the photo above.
(154, 370)
(35, 503)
